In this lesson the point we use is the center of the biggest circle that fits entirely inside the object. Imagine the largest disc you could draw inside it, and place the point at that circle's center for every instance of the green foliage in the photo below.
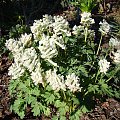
(76, 115)
(84, 5)
(49, 98)
(37, 98)
(27, 94)
(16, 31)
(115, 29)
(19, 107)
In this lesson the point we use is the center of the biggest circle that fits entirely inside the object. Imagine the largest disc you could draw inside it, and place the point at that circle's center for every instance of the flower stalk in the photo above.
(86, 33)
(99, 45)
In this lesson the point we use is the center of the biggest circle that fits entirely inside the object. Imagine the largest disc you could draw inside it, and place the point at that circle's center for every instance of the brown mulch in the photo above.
(4, 81)
(109, 110)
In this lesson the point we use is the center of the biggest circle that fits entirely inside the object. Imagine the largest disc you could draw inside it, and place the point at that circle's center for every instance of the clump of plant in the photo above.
(55, 66)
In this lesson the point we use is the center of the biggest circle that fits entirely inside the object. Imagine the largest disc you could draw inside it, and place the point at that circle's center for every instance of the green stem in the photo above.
(97, 76)
(86, 93)
(64, 96)
(99, 45)
(86, 32)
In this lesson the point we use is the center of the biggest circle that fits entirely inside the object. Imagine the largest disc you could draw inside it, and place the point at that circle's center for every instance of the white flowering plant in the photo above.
(59, 67)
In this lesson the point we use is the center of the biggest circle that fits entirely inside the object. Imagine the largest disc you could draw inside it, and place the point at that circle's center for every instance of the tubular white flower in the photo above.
(36, 75)
(114, 42)
(53, 63)
(60, 25)
(14, 45)
(58, 40)
(55, 81)
(116, 57)
(39, 26)
(104, 27)
(104, 65)
(25, 39)
(72, 82)
(86, 19)
(77, 29)
(15, 70)
(47, 48)
(29, 59)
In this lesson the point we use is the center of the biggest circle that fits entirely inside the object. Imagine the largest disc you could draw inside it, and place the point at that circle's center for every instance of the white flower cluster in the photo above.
(77, 30)
(52, 25)
(86, 19)
(104, 27)
(48, 47)
(60, 25)
(91, 33)
(104, 65)
(115, 43)
(72, 83)
(26, 39)
(14, 46)
(57, 82)
(48, 31)
(36, 75)
(16, 70)
(24, 58)
(29, 58)
(40, 26)
(116, 57)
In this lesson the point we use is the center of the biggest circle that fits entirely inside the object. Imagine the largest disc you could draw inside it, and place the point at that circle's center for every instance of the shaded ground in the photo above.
(109, 110)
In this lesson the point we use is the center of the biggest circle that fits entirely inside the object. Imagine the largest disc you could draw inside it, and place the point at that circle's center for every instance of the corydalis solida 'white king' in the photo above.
(104, 65)
(86, 19)
(72, 82)
(56, 81)
(104, 27)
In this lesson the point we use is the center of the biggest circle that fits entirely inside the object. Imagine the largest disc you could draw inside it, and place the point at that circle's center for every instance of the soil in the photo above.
(109, 110)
